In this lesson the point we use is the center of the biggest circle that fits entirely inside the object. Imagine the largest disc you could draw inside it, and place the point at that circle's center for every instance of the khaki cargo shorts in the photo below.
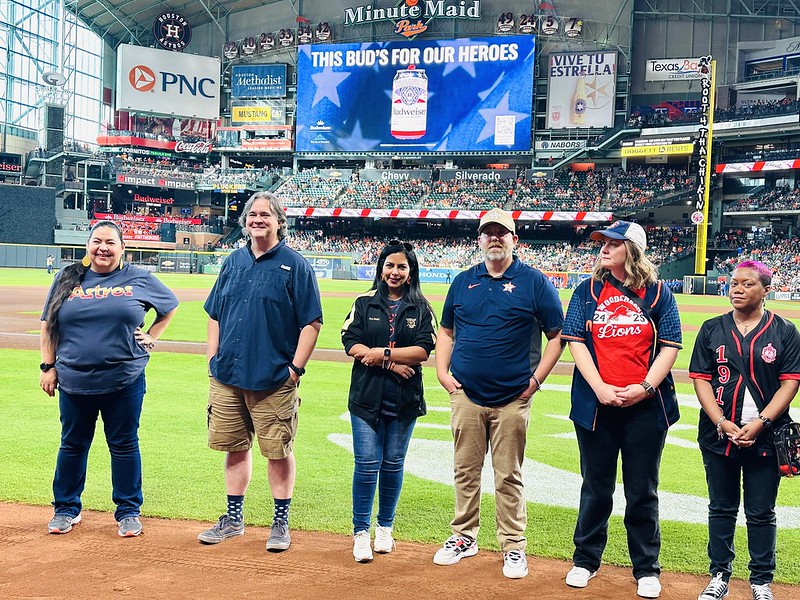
(236, 415)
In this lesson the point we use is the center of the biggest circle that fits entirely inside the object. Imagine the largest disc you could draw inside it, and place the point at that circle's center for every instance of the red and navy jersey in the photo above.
(732, 363)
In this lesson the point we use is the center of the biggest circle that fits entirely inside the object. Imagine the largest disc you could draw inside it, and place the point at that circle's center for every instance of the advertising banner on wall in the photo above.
(394, 174)
(258, 81)
(258, 112)
(153, 181)
(167, 83)
(581, 89)
(423, 96)
(672, 69)
(10, 164)
(488, 175)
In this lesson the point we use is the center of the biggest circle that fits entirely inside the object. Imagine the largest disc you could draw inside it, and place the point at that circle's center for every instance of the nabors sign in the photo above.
(411, 17)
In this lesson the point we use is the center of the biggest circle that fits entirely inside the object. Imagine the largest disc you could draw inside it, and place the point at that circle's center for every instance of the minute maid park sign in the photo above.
(411, 17)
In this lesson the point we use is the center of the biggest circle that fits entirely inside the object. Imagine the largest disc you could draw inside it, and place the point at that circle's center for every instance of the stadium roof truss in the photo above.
(130, 21)
(720, 9)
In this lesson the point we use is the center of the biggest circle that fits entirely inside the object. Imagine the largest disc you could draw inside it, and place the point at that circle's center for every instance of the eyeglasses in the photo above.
(406, 245)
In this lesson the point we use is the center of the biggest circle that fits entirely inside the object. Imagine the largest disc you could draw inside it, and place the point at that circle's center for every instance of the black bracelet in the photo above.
(299, 371)
(766, 421)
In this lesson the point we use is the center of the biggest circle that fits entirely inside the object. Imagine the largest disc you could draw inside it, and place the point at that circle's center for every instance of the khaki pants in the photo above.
(475, 429)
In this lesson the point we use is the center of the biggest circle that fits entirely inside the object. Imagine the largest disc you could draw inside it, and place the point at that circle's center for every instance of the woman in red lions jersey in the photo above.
(624, 333)
(745, 367)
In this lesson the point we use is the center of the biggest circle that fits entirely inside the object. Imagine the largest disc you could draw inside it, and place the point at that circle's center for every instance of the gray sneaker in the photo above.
(225, 528)
(61, 523)
(279, 538)
(129, 526)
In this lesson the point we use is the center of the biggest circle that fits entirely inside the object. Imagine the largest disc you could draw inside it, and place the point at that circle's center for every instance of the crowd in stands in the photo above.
(782, 256)
(746, 110)
(639, 185)
(665, 243)
(310, 188)
(779, 199)
(567, 191)
(468, 194)
(384, 194)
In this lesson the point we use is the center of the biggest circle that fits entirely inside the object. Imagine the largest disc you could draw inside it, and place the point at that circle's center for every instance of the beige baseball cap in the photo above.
(499, 216)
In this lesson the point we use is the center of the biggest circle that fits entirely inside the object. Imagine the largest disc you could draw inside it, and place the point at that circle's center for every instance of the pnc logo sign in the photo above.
(142, 78)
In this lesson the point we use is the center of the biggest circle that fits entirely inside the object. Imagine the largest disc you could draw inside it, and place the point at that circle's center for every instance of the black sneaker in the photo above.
(716, 589)
(279, 538)
(225, 528)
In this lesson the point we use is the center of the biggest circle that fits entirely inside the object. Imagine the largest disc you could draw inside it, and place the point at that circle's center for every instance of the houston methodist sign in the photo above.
(168, 83)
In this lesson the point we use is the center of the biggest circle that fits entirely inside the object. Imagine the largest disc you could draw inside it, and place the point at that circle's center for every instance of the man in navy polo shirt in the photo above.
(483, 359)
(264, 316)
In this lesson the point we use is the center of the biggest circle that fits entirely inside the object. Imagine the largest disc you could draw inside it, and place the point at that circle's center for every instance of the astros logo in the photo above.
(142, 78)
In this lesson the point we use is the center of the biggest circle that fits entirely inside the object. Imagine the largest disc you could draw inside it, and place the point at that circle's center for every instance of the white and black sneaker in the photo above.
(717, 589)
(454, 549)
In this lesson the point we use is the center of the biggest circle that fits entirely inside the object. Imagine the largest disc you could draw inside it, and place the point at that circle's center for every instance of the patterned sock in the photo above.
(236, 508)
(282, 509)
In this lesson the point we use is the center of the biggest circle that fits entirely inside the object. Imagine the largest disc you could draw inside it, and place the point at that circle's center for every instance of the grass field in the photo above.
(183, 478)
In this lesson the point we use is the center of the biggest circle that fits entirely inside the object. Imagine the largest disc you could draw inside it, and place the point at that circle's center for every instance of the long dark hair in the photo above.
(413, 292)
(68, 278)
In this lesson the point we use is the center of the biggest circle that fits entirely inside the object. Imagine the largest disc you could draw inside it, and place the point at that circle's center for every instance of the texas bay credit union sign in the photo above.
(411, 17)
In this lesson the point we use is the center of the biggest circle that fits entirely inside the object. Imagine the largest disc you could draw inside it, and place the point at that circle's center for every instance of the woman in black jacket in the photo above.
(389, 332)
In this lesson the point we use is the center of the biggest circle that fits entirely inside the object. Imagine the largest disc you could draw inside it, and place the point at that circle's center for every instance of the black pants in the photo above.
(726, 475)
(632, 432)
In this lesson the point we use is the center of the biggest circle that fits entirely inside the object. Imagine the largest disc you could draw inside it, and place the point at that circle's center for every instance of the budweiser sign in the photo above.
(193, 147)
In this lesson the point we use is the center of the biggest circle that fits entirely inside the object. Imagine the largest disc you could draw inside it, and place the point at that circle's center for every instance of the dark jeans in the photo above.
(633, 433)
(726, 475)
(380, 452)
(120, 411)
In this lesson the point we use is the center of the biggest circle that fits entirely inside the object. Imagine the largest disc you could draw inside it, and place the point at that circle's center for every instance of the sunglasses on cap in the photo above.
(408, 247)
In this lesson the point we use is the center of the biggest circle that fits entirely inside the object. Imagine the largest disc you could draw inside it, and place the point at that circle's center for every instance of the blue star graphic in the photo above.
(452, 66)
(485, 93)
(488, 115)
(327, 83)
(357, 141)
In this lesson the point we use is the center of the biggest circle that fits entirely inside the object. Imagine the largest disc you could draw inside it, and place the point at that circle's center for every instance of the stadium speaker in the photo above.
(167, 232)
(54, 126)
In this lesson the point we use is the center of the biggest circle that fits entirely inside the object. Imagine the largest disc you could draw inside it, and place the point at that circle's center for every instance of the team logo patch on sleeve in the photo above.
(411, 323)
(769, 353)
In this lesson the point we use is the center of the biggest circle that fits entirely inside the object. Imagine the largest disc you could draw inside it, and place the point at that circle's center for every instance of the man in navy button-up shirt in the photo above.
(483, 359)
(264, 316)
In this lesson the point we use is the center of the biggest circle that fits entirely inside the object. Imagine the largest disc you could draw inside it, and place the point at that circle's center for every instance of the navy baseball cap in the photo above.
(623, 230)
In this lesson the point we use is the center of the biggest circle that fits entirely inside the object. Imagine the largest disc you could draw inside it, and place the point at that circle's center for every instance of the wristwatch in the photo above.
(299, 371)
(45, 367)
(766, 421)
(651, 391)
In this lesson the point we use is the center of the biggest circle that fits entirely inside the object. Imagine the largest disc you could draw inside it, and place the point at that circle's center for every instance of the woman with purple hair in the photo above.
(746, 368)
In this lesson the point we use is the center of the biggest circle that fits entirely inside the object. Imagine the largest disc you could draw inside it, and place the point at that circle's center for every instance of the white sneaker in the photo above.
(578, 577)
(649, 587)
(515, 565)
(454, 549)
(384, 542)
(361, 547)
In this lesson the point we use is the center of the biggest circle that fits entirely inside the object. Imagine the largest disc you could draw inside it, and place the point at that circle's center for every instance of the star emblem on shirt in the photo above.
(508, 287)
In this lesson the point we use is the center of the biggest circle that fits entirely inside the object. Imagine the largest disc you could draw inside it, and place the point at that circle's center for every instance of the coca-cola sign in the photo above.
(193, 147)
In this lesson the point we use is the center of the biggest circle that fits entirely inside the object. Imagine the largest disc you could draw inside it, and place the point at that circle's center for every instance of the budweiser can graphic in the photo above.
(409, 103)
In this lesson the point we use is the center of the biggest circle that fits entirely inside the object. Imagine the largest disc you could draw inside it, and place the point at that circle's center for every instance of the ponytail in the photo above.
(68, 278)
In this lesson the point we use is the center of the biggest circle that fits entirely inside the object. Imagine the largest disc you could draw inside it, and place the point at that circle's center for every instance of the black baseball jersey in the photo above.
(731, 363)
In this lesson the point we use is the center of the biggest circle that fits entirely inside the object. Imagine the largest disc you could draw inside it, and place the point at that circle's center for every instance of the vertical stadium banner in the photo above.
(581, 90)
(258, 81)
(167, 83)
(707, 66)
(258, 112)
(423, 96)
